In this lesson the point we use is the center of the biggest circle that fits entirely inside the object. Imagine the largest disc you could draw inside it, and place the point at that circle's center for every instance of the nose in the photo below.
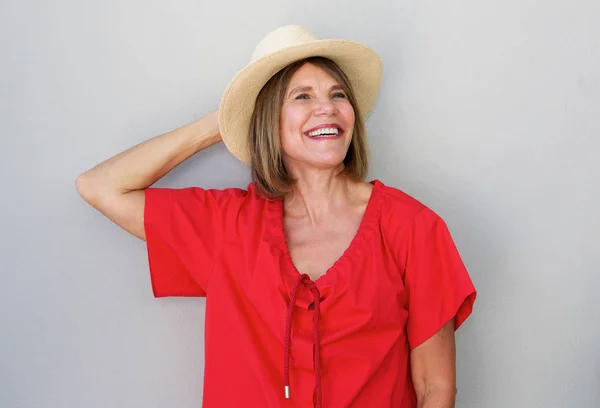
(325, 107)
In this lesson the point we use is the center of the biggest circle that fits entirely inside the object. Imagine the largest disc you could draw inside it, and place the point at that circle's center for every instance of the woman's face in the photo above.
(316, 121)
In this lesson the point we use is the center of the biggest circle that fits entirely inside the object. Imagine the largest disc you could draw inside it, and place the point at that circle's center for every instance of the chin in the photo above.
(318, 160)
(327, 162)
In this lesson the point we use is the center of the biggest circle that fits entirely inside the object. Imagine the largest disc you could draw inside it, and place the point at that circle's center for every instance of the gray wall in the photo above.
(488, 114)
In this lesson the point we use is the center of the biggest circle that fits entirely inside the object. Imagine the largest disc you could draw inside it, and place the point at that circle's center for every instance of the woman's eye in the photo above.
(302, 96)
(339, 95)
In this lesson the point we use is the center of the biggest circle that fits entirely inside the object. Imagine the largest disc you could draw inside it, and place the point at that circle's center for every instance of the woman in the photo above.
(322, 289)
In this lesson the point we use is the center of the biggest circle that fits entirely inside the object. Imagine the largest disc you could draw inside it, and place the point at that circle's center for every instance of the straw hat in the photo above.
(277, 50)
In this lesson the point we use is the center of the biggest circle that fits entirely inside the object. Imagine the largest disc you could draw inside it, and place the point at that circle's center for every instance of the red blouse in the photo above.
(340, 341)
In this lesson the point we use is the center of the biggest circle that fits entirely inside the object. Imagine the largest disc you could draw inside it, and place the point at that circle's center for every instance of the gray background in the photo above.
(489, 114)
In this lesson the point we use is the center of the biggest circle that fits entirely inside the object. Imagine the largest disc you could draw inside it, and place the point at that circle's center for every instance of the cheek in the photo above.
(292, 117)
(347, 112)
(287, 128)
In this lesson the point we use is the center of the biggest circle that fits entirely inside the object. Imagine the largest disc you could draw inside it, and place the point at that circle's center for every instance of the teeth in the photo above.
(324, 131)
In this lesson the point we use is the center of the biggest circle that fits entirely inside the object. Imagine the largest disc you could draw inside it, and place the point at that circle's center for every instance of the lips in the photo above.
(328, 131)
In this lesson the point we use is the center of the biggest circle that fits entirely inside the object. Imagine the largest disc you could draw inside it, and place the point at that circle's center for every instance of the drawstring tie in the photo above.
(305, 279)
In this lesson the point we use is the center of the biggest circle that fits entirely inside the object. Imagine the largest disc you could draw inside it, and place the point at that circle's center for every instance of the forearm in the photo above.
(441, 398)
(142, 165)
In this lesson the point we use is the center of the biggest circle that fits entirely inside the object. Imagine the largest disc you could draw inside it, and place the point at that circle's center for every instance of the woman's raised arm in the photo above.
(116, 186)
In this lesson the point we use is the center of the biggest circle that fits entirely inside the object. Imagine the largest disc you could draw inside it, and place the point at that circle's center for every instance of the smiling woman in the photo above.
(322, 289)
(295, 106)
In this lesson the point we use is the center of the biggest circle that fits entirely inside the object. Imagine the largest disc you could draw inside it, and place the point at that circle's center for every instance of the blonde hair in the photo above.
(268, 171)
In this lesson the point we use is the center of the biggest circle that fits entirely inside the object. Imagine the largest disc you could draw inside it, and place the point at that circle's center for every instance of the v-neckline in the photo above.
(368, 218)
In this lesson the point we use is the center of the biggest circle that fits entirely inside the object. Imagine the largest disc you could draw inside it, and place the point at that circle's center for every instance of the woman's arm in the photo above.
(116, 186)
(433, 365)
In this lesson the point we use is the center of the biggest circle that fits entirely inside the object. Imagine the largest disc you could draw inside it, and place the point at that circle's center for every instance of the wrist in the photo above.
(206, 131)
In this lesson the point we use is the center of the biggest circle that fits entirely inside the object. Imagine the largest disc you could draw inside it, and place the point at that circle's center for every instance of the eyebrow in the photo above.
(309, 88)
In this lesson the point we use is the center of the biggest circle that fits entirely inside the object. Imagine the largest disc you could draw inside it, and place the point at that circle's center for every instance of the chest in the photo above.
(315, 248)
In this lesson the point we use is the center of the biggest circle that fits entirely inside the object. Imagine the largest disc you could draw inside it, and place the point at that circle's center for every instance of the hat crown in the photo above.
(282, 37)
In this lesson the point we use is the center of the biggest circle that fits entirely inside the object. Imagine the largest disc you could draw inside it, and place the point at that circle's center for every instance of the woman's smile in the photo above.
(326, 131)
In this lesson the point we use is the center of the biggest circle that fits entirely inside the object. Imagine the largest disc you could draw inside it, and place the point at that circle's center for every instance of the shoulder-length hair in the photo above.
(268, 171)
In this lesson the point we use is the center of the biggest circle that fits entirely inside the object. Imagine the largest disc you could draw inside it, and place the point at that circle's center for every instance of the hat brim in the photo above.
(360, 63)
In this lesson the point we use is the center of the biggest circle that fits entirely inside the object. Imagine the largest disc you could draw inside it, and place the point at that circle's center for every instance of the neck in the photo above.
(317, 195)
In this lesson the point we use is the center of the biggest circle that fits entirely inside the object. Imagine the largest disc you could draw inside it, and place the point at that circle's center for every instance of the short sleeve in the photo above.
(184, 235)
(437, 283)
